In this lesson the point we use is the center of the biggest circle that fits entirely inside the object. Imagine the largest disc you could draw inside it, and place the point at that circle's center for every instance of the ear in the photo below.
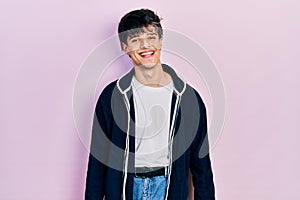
(160, 41)
(125, 47)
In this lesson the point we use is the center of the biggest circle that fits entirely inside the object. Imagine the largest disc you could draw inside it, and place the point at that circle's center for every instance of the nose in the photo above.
(144, 43)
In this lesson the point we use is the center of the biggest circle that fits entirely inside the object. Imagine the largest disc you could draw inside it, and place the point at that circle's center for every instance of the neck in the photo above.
(153, 77)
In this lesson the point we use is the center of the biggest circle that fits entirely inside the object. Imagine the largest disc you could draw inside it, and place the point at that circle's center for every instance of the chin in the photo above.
(149, 65)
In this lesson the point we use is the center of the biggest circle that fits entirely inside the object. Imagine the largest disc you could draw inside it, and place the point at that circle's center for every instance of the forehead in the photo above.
(137, 32)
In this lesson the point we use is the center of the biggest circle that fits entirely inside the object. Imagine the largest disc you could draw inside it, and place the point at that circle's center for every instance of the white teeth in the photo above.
(147, 53)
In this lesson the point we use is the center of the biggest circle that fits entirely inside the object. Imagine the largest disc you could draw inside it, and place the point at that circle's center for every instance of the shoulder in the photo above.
(192, 97)
(109, 88)
(106, 94)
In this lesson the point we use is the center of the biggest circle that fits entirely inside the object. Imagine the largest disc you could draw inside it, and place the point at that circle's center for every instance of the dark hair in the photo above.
(133, 22)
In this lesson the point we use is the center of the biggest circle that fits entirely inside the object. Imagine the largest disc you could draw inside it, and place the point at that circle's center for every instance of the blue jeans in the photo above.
(150, 188)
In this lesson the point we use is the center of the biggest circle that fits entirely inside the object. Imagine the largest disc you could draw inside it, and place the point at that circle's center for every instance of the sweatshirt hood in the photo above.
(124, 83)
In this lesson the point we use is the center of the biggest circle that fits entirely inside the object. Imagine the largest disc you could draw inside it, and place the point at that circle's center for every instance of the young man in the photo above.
(150, 127)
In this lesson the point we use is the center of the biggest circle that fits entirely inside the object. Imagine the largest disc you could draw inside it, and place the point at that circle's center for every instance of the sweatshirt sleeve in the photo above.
(200, 161)
(95, 183)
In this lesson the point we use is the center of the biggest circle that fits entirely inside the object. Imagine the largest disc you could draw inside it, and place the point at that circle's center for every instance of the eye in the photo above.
(152, 37)
(134, 40)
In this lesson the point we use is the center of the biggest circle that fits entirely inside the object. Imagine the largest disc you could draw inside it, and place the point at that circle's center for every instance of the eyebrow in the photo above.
(137, 35)
(133, 36)
(152, 34)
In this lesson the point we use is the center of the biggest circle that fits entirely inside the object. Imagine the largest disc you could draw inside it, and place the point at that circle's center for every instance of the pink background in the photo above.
(254, 43)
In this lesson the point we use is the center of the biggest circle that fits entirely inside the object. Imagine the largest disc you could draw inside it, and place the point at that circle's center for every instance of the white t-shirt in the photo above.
(152, 123)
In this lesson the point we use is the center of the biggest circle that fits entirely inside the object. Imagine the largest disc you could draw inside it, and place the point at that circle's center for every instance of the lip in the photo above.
(146, 53)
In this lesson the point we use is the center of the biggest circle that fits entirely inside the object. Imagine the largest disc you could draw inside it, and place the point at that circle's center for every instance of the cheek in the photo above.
(133, 54)
(132, 48)
(157, 45)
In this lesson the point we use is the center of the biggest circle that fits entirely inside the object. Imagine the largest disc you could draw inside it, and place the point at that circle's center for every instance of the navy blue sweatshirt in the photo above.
(111, 162)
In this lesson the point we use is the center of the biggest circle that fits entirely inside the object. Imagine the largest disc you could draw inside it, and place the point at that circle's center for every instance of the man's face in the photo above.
(144, 47)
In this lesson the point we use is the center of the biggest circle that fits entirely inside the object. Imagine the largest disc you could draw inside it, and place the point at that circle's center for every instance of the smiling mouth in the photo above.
(146, 54)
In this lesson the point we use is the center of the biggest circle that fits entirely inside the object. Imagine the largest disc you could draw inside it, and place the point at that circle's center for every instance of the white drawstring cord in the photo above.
(127, 146)
(171, 143)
